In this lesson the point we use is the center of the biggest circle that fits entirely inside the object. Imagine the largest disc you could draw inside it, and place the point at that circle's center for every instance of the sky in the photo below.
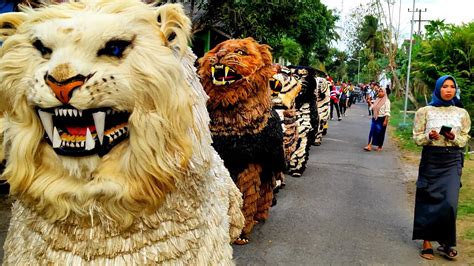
(452, 11)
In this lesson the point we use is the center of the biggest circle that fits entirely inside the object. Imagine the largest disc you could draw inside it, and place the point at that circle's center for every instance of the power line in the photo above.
(419, 18)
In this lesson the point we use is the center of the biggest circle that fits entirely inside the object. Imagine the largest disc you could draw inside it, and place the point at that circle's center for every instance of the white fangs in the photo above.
(226, 71)
(99, 121)
(90, 143)
(56, 138)
(47, 121)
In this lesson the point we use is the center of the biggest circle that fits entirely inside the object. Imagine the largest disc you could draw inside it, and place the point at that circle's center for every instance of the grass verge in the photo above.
(465, 222)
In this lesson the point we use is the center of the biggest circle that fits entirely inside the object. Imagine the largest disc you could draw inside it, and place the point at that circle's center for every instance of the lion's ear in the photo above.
(9, 23)
(175, 26)
(265, 51)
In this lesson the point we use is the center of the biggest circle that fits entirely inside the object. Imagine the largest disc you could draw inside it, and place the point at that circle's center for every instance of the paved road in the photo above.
(350, 207)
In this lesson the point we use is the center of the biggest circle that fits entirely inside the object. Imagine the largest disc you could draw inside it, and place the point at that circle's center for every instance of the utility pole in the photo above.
(409, 65)
(419, 18)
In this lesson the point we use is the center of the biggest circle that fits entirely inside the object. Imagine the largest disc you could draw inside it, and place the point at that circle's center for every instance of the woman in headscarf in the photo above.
(381, 112)
(442, 129)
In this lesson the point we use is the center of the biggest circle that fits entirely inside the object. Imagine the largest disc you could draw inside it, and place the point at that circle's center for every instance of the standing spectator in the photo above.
(334, 96)
(370, 97)
(442, 129)
(343, 99)
(352, 94)
(381, 112)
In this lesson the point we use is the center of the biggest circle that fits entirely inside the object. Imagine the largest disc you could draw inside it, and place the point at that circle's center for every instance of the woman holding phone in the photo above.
(443, 131)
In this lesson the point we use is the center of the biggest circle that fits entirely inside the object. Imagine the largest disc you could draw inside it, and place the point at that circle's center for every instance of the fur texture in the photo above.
(246, 133)
(147, 200)
(285, 88)
(307, 117)
(323, 101)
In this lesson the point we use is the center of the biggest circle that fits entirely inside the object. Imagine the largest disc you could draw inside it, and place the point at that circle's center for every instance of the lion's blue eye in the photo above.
(114, 48)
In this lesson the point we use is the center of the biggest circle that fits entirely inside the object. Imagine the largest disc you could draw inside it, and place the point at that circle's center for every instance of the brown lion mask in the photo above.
(234, 70)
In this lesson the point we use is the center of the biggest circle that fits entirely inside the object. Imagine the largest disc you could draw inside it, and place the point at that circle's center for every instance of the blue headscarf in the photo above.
(436, 99)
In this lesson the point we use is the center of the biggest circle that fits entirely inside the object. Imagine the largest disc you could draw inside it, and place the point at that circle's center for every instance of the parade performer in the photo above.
(285, 88)
(246, 132)
(323, 99)
(308, 117)
(109, 150)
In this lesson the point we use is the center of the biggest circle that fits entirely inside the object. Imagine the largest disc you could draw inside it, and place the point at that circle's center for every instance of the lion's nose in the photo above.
(64, 89)
(221, 53)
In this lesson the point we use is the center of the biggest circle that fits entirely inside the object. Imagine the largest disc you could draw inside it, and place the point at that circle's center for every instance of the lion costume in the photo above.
(109, 151)
(246, 132)
(308, 118)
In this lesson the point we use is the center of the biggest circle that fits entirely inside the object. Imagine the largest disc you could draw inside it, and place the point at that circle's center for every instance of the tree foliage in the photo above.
(307, 22)
(445, 49)
(336, 64)
(291, 50)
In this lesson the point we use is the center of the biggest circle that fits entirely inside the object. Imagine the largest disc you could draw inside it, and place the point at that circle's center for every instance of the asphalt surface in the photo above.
(349, 207)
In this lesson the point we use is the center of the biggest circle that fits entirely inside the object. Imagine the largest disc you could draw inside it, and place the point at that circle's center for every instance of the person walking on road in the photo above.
(334, 96)
(370, 97)
(442, 129)
(343, 99)
(381, 113)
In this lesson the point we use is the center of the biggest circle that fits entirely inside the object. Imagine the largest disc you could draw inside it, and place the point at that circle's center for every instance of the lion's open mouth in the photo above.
(74, 132)
(275, 85)
(222, 75)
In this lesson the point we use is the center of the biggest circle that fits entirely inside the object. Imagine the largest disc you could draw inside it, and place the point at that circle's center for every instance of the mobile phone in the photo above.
(445, 129)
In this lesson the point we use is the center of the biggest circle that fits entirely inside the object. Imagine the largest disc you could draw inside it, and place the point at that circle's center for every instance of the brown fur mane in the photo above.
(242, 106)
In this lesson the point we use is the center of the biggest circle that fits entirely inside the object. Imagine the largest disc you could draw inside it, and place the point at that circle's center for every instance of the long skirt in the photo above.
(437, 193)
(377, 131)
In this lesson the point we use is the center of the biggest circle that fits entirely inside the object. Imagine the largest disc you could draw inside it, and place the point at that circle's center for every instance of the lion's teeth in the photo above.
(80, 112)
(56, 111)
(90, 143)
(47, 121)
(69, 112)
(99, 121)
(74, 111)
(226, 71)
(56, 138)
(213, 70)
